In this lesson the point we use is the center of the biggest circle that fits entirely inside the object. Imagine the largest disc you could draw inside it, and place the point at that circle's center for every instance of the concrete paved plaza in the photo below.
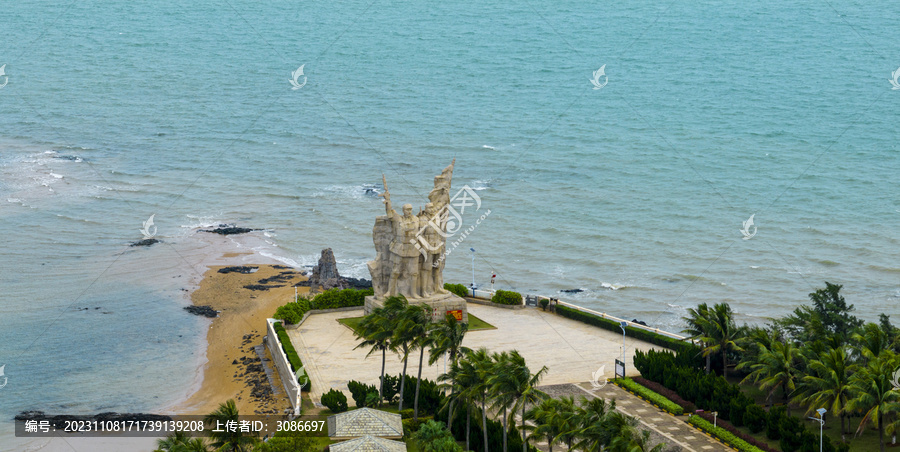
(571, 350)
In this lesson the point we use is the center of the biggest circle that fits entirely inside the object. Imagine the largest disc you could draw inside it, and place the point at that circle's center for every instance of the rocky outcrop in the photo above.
(145, 242)
(205, 311)
(225, 229)
(325, 274)
(239, 269)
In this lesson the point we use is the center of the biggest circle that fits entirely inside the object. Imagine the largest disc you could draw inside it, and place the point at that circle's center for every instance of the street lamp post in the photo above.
(623, 325)
(821, 421)
(715, 417)
(473, 270)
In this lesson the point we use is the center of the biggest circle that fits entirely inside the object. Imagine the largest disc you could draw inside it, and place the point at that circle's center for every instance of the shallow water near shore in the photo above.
(635, 192)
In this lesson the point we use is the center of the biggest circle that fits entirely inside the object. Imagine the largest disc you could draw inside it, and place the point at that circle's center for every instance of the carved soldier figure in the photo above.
(404, 254)
(431, 264)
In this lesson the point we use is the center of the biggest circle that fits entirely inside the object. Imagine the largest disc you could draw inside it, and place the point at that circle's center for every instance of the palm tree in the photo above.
(376, 330)
(725, 334)
(700, 328)
(542, 416)
(482, 366)
(180, 442)
(622, 430)
(565, 421)
(418, 321)
(514, 378)
(500, 388)
(774, 368)
(593, 432)
(639, 441)
(874, 394)
(228, 439)
(871, 341)
(447, 337)
(404, 333)
(828, 384)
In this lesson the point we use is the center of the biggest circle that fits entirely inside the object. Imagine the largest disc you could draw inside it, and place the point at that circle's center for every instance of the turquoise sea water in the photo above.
(713, 111)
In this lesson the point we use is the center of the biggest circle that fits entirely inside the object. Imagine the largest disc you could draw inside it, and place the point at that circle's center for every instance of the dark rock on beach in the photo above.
(145, 242)
(639, 322)
(572, 290)
(358, 283)
(225, 229)
(259, 287)
(238, 269)
(205, 311)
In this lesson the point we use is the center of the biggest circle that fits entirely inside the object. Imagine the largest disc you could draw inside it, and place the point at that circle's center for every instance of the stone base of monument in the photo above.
(440, 305)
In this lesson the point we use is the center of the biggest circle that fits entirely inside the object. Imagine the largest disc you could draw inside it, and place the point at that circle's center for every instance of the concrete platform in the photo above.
(571, 350)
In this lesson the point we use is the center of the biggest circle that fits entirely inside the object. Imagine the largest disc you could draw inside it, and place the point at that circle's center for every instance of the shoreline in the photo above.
(231, 368)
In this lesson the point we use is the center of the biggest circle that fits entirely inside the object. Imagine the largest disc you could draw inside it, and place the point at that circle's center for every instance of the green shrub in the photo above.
(292, 312)
(544, 302)
(360, 392)
(337, 298)
(678, 346)
(457, 289)
(755, 418)
(410, 426)
(651, 396)
(723, 435)
(507, 297)
(391, 388)
(288, 347)
(335, 400)
(406, 413)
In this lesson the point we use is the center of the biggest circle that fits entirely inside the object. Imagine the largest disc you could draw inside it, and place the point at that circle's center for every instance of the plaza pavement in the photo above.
(571, 350)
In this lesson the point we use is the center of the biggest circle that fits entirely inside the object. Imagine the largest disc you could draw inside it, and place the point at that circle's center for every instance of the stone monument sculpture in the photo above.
(409, 252)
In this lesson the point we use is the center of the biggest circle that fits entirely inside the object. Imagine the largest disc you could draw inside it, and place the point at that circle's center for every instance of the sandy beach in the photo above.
(232, 369)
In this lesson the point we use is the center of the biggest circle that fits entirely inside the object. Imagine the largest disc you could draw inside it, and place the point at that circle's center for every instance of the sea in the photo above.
(653, 155)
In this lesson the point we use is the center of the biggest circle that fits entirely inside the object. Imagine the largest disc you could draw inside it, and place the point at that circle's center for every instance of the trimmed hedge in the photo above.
(457, 289)
(680, 347)
(337, 298)
(288, 347)
(335, 400)
(727, 426)
(649, 395)
(292, 312)
(723, 435)
(688, 407)
(507, 297)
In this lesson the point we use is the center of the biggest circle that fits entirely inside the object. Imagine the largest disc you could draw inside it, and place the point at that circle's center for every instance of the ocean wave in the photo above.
(613, 286)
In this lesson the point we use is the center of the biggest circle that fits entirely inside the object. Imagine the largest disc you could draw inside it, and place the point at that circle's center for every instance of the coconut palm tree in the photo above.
(180, 442)
(542, 416)
(228, 439)
(500, 388)
(874, 394)
(871, 341)
(483, 367)
(376, 330)
(828, 384)
(774, 368)
(593, 432)
(418, 320)
(724, 335)
(622, 430)
(565, 421)
(700, 328)
(405, 328)
(516, 379)
(463, 376)
(639, 441)
(446, 338)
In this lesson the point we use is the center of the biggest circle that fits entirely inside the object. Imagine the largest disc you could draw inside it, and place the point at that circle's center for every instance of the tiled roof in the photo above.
(369, 444)
(365, 421)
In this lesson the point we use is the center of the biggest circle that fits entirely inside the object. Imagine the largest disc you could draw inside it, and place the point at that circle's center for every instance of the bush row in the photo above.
(650, 396)
(458, 289)
(337, 298)
(715, 393)
(292, 312)
(507, 297)
(688, 351)
(688, 407)
(360, 393)
(723, 435)
(290, 351)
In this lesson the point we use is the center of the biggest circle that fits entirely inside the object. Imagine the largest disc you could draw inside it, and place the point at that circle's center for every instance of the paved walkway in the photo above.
(571, 350)
(674, 430)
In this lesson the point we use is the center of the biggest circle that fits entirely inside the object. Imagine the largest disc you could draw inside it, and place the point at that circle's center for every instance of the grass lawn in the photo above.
(475, 324)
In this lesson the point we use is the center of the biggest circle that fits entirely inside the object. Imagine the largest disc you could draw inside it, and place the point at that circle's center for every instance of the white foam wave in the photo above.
(58, 176)
(489, 147)
(613, 286)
